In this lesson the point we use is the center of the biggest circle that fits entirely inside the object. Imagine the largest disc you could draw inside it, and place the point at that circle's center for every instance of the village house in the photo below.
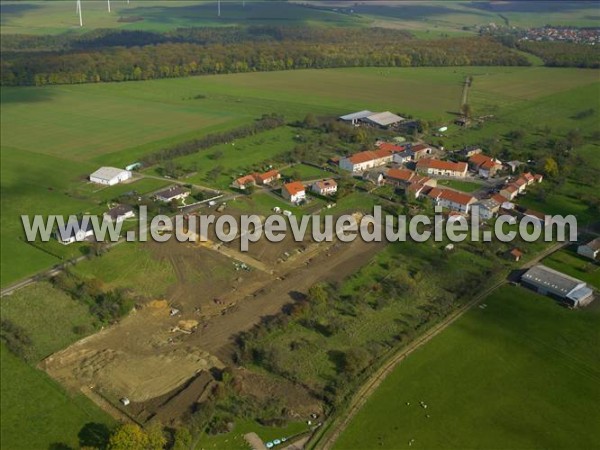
(256, 178)
(359, 162)
(267, 177)
(469, 151)
(294, 192)
(404, 156)
(485, 166)
(509, 191)
(119, 213)
(432, 166)
(325, 187)
(75, 231)
(486, 209)
(244, 182)
(454, 200)
(173, 193)
(590, 250)
(110, 176)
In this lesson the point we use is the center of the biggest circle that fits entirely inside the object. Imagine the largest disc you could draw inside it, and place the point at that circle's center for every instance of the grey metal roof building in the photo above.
(354, 117)
(384, 119)
(551, 282)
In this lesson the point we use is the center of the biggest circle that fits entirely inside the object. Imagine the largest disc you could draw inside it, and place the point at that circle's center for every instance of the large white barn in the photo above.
(110, 176)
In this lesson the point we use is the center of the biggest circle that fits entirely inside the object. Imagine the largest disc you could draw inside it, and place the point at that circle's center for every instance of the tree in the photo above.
(156, 437)
(317, 293)
(310, 121)
(128, 437)
(550, 168)
(183, 439)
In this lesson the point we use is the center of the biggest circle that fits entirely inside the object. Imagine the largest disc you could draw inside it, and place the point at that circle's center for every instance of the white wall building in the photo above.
(110, 176)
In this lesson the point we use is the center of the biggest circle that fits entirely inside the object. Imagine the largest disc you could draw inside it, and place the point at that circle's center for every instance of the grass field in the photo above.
(464, 186)
(53, 321)
(503, 377)
(53, 416)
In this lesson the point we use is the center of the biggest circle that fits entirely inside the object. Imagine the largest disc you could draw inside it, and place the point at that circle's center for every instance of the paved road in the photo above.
(339, 425)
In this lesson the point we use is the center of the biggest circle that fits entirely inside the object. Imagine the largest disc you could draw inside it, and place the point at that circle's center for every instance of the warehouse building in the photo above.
(546, 281)
(110, 176)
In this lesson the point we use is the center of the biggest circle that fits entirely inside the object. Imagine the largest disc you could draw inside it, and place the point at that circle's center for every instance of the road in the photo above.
(339, 424)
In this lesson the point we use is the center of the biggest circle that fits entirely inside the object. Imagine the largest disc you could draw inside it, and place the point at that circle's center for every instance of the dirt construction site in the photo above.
(163, 357)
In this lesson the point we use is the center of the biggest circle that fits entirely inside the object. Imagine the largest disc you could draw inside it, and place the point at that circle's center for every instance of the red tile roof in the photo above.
(246, 179)
(441, 165)
(324, 184)
(400, 174)
(457, 197)
(267, 175)
(388, 146)
(419, 148)
(294, 187)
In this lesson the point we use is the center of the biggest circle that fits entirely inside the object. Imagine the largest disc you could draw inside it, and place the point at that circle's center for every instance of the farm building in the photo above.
(590, 250)
(420, 151)
(119, 213)
(293, 192)
(325, 187)
(75, 231)
(547, 281)
(359, 162)
(173, 193)
(432, 166)
(355, 118)
(110, 176)
(383, 119)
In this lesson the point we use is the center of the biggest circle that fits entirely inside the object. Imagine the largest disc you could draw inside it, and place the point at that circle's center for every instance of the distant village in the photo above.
(548, 33)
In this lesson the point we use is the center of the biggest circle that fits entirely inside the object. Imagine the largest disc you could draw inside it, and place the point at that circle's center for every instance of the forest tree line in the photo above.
(272, 51)
(563, 54)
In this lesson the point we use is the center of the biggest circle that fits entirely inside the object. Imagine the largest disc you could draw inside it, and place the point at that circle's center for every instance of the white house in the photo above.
(119, 213)
(294, 192)
(75, 231)
(590, 250)
(325, 187)
(173, 193)
(110, 176)
(454, 200)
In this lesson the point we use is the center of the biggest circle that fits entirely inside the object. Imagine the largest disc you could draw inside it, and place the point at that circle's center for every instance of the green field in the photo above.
(464, 186)
(52, 320)
(521, 373)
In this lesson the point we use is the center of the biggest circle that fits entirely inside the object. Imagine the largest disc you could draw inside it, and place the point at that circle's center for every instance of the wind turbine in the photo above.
(108, 1)
(219, 8)
(78, 11)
